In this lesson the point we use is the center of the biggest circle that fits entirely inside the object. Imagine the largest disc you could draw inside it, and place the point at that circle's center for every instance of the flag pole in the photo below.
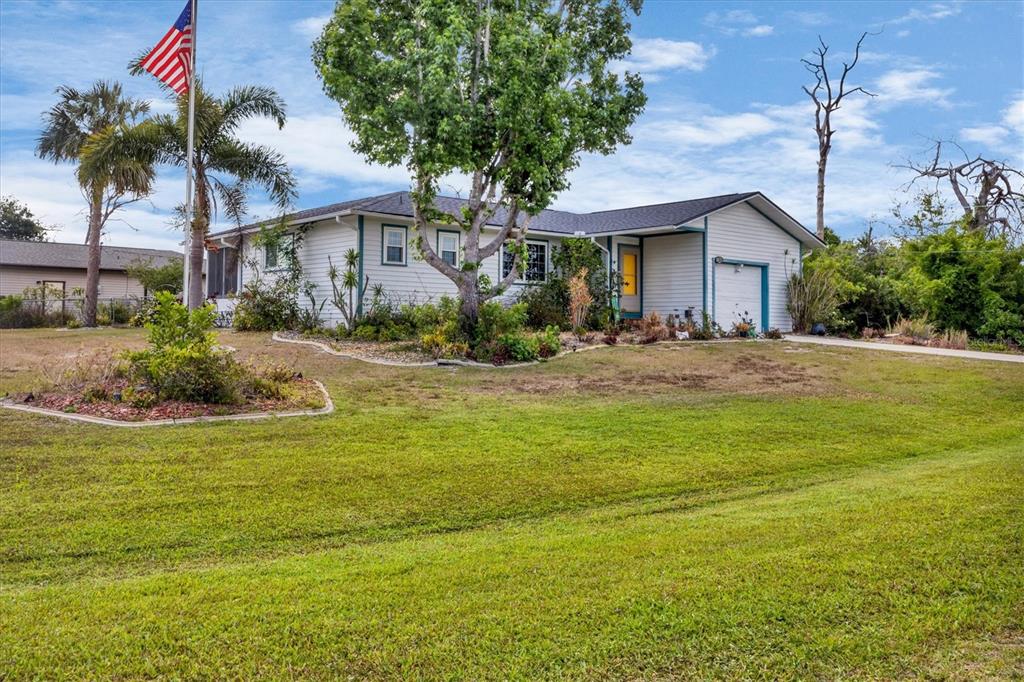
(189, 157)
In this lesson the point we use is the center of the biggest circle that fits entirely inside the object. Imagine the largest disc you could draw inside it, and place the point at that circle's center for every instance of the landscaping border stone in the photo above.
(90, 419)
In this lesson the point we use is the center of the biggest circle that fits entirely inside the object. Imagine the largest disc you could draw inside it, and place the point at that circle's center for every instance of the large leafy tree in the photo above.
(18, 222)
(80, 119)
(507, 93)
(225, 168)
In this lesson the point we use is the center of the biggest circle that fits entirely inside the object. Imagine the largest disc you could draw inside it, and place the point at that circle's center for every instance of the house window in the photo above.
(536, 267)
(394, 244)
(448, 247)
(275, 255)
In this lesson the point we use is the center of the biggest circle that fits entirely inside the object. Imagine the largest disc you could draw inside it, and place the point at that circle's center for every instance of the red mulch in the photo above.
(308, 398)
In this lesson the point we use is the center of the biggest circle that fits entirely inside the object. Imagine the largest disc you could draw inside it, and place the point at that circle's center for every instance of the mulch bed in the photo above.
(308, 396)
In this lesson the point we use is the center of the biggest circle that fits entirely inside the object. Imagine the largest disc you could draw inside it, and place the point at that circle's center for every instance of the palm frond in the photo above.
(249, 101)
(256, 164)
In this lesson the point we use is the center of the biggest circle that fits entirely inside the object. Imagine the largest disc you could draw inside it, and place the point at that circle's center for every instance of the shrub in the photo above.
(705, 331)
(652, 328)
(547, 304)
(496, 320)
(182, 362)
(549, 343)
(521, 348)
(139, 397)
(266, 306)
(811, 299)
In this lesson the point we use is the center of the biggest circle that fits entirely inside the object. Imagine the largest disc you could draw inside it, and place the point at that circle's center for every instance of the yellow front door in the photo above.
(629, 268)
(629, 274)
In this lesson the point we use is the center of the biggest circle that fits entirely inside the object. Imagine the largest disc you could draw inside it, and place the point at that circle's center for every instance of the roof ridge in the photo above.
(667, 203)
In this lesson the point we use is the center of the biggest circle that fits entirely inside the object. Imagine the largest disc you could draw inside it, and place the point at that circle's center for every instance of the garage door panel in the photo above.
(738, 294)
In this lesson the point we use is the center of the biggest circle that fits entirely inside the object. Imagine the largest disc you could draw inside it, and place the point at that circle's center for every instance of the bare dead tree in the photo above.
(989, 191)
(827, 96)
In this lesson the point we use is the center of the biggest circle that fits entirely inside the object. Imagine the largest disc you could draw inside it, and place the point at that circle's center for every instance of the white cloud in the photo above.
(902, 34)
(986, 135)
(311, 27)
(52, 194)
(653, 55)
(810, 18)
(759, 31)
(1013, 115)
(318, 146)
(912, 85)
(690, 151)
(996, 135)
(738, 22)
(933, 12)
(711, 131)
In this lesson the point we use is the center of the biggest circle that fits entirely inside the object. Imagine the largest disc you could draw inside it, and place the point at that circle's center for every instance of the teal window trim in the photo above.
(766, 319)
(704, 270)
(639, 276)
(359, 287)
(458, 245)
(640, 283)
(611, 264)
(522, 282)
(277, 266)
(384, 227)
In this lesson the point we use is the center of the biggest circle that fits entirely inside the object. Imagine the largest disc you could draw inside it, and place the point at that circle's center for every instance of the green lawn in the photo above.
(746, 510)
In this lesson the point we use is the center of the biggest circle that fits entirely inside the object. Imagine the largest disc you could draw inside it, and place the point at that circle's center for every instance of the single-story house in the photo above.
(730, 255)
(62, 267)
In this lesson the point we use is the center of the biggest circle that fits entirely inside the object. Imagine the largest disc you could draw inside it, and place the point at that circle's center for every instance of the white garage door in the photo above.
(737, 294)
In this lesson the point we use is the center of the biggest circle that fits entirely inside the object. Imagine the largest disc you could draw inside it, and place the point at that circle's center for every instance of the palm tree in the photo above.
(77, 121)
(224, 168)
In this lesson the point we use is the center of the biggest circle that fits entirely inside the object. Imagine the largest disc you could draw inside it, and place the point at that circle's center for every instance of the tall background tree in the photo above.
(827, 94)
(508, 94)
(166, 277)
(78, 120)
(225, 168)
(18, 222)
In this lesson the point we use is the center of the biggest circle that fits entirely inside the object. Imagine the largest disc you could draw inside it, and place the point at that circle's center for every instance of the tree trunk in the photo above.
(820, 226)
(92, 272)
(469, 308)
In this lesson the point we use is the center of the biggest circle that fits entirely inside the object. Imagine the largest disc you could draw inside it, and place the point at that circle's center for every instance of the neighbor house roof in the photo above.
(59, 255)
(621, 220)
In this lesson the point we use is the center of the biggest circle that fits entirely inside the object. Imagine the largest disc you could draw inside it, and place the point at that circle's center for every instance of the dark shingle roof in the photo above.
(559, 222)
(59, 255)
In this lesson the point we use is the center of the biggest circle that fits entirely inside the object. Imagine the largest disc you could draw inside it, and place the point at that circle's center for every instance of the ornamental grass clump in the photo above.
(580, 299)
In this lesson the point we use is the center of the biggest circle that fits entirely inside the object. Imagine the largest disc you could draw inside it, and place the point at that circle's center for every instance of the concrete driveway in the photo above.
(898, 348)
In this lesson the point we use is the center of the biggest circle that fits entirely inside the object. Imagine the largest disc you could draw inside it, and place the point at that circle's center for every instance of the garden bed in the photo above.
(302, 395)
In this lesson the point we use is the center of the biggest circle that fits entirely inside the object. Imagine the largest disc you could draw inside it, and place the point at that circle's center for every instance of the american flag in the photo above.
(171, 59)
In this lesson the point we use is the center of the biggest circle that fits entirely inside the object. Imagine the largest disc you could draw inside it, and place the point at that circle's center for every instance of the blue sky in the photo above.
(725, 112)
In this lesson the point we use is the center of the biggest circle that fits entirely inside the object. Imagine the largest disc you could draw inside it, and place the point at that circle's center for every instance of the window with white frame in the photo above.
(395, 237)
(275, 253)
(448, 247)
(536, 267)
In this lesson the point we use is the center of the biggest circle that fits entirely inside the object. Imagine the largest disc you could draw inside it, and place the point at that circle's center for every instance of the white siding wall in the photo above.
(416, 281)
(673, 278)
(324, 239)
(741, 233)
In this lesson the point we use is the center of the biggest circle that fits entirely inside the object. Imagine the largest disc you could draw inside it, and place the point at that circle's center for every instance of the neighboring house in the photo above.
(62, 267)
(730, 255)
